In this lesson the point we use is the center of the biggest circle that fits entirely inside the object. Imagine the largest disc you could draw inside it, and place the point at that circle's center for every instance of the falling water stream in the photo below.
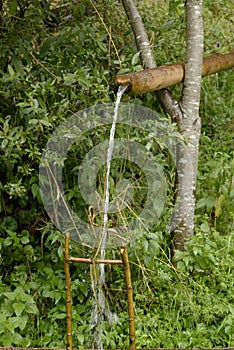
(102, 310)
(108, 163)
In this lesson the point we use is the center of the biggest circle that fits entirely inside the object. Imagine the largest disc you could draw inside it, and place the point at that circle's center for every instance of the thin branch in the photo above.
(169, 104)
(141, 38)
(107, 30)
(42, 65)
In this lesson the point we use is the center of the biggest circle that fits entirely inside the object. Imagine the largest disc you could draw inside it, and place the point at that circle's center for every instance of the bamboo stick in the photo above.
(164, 76)
(128, 281)
(95, 261)
(68, 292)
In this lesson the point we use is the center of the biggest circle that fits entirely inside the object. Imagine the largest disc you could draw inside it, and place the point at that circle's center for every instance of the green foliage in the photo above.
(17, 310)
(61, 58)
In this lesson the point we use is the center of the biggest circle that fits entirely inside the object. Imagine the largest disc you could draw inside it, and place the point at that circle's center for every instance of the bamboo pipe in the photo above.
(162, 77)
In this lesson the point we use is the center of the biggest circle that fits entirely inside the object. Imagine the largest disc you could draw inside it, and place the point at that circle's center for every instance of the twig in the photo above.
(42, 65)
(107, 30)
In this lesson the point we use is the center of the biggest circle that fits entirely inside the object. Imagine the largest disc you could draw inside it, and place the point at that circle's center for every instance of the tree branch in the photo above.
(141, 37)
(170, 105)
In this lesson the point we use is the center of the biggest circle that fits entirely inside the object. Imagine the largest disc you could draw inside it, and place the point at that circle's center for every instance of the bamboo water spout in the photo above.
(162, 77)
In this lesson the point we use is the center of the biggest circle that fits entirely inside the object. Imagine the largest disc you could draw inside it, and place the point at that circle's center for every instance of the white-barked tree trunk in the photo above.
(185, 112)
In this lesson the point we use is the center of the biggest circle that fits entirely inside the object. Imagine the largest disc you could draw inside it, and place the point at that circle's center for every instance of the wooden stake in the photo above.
(68, 292)
(163, 76)
(128, 281)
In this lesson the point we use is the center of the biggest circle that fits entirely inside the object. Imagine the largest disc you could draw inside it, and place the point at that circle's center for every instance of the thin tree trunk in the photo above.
(185, 113)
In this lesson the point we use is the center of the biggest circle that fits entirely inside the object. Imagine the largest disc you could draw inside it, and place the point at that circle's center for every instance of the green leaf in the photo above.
(10, 295)
(124, 70)
(205, 227)
(25, 235)
(12, 7)
(35, 190)
(3, 321)
(18, 308)
(6, 126)
(18, 65)
(11, 71)
(219, 202)
(80, 339)
(4, 143)
(135, 58)
(20, 321)
(7, 339)
(59, 315)
(102, 46)
(169, 25)
(211, 257)
(12, 324)
(158, 205)
(20, 295)
(45, 122)
(145, 244)
(17, 338)
(31, 308)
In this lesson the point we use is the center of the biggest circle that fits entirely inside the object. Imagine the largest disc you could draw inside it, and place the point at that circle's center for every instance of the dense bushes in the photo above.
(56, 60)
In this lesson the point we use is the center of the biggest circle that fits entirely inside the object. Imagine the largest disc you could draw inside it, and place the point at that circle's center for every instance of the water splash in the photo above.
(101, 309)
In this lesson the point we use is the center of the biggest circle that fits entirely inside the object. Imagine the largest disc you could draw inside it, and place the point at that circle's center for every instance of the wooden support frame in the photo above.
(128, 281)
(68, 292)
(97, 261)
